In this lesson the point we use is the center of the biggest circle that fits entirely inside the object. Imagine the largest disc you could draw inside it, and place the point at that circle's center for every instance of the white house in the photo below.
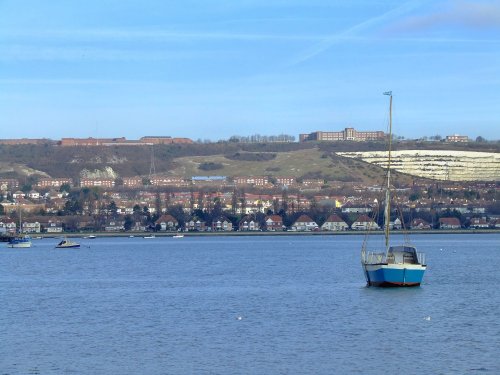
(18, 194)
(31, 227)
(364, 223)
(334, 223)
(304, 224)
(248, 224)
(54, 227)
(222, 224)
(115, 226)
(33, 194)
(167, 223)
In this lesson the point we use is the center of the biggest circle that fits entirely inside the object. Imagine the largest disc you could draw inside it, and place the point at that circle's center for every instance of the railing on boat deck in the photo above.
(371, 257)
(421, 258)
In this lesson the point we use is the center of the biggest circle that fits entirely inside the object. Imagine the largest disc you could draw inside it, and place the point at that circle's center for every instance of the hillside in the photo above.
(308, 163)
(302, 160)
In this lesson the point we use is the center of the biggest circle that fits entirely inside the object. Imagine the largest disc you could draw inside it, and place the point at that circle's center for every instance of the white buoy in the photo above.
(428, 318)
(239, 317)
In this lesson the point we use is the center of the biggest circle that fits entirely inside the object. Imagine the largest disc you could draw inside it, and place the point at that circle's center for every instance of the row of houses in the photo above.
(271, 223)
(247, 202)
(170, 181)
(304, 223)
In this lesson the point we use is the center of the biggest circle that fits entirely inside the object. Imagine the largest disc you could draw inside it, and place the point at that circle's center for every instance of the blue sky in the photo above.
(213, 69)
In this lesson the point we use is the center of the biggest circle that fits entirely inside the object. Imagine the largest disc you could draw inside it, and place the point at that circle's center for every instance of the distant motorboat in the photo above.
(178, 236)
(92, 237)
(67, 244)
(19, 242)
(150, 236)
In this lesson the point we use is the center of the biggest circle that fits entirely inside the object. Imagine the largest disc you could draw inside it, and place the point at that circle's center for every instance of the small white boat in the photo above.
(19, 242)
(67, 244)
(178, 236)
(92, 237)
(150, 236)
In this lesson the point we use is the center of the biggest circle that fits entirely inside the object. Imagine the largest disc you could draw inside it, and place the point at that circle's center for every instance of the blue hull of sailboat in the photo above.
(386, 276)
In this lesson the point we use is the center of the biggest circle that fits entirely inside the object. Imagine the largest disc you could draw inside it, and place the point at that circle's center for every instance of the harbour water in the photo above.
(246, 305)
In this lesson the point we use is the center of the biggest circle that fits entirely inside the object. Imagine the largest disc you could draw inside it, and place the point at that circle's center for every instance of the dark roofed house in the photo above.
(222, 224)
(274, 223)
(167, 223)
(449, 223)
(248, 223)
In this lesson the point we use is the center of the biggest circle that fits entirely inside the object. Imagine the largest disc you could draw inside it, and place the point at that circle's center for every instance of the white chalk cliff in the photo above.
(437, 164)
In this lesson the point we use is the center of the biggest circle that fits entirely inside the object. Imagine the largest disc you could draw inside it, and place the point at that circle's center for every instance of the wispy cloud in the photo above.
(353, 32)
(128, 44)
(149, 34)
(97, 53)
(477, 15)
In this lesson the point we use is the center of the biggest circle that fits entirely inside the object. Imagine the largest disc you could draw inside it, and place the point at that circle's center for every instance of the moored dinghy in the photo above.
(399, 265)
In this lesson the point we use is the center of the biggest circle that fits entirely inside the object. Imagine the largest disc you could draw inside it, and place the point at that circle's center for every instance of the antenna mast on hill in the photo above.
(152, 168)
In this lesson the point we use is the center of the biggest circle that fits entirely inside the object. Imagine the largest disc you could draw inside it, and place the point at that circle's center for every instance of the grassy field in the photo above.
(308, 163)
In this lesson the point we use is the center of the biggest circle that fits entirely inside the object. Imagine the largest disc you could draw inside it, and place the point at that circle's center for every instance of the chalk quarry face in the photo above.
(106, 172)
(437, 164)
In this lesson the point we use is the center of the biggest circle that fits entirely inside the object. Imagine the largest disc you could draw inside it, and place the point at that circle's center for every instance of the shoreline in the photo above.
(257, 233)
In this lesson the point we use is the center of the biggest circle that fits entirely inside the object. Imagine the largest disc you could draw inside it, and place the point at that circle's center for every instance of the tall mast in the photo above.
(387, 210)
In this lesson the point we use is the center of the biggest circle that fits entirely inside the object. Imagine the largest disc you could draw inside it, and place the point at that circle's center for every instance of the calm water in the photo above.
(266, 305)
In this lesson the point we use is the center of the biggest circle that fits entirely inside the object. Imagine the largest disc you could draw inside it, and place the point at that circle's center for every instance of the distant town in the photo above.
(158, 202)
(348, 134)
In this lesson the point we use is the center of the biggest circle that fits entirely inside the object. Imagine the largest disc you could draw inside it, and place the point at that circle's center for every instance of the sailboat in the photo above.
(19, 241)
(399, 265)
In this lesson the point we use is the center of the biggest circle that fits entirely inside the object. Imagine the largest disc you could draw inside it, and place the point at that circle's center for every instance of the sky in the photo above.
(208, 70)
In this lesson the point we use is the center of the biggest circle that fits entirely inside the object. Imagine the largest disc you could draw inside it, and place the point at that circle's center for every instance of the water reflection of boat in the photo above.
(67, 244)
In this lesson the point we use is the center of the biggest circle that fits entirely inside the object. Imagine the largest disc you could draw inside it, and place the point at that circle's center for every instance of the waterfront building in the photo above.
(334, 223)
(363, 222)
(449, 223)
(248, 224)
(274, 223)
(304, 224)
(167, 223)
